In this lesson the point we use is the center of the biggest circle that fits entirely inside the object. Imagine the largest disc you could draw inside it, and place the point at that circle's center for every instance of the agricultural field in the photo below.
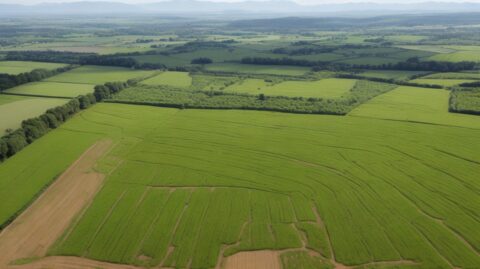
(256, 69)
(168, 208)
(95, 75)
(325, 88)
(442, 82)
(56, 89)
(416, 105)
(176, 79)
(17, 67)
(15, 109)
(238, 140)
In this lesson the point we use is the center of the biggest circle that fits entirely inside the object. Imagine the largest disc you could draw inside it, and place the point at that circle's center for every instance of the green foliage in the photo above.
(465, 101)
(304, 260)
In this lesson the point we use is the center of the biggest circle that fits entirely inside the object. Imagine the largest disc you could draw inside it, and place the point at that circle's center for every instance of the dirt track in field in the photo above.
(264, 259)
(38, 227)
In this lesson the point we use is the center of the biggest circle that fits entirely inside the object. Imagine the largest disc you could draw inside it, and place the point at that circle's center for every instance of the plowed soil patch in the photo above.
(37, 228)
(264, 259)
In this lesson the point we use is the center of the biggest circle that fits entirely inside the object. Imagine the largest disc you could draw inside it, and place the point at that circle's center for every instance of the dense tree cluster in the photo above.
(475, 84)
(465, 100)
(202, 60)
(9, 81)
(35, 128)
(105, 91)
(46, 56)
(412, 64)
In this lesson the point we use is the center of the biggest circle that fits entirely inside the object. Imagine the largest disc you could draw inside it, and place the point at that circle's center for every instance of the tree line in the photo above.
(390, 80)
(412, 64)
(34, 128)
(9, 81)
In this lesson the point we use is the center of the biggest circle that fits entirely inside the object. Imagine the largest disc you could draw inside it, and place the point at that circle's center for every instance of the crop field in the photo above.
(417, 105)
(58, 89)
(353, 194)
(442, 82)
(458, 56)
(388, 74)
(457, 75)
(15, 68)
(98, 75)
(176, 79)
(325, 88)
(13, 110)
(258, 69)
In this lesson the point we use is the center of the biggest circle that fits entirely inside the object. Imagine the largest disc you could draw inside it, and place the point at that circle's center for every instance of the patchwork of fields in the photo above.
(351, 194)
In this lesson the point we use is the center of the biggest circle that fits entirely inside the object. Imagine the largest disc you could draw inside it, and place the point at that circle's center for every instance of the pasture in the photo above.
(442, 82)
(417, 105)
(58, 89)
(175, 79)
(325, 88)
(188, 187)
(258, 69)
(98, 75)
(17, 67)
(13, 110)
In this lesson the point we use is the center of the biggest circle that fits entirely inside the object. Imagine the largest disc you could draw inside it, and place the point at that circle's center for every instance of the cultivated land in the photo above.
(15, 109)
(325, 88)
(322, 191)
(56, 89)
(98, 75)
(17, 67)
(387, 178)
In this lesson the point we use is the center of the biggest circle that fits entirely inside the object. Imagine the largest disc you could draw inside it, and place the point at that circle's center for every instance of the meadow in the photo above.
(17, 67)
(15, 109)
(442, 82)
(416, 105)
(95, 75)
(325, 88)
(56, 89)
(256, 69)
(167, 207)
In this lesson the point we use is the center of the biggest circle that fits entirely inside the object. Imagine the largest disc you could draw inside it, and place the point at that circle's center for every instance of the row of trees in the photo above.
(35, 128)
(106, 91)
(412, 64)
(9, 81)
(390, 80)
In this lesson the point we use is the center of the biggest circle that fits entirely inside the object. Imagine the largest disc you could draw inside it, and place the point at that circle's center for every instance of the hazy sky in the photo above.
(298, 1)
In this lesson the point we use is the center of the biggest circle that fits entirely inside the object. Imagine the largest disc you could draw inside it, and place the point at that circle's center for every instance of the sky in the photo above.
(305, 2)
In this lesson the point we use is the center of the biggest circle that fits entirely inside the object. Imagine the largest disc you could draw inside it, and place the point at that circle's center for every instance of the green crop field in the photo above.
(442, 82)
(98, 75)
(388, 74)
(209, 182)
(58, 89)
(325, 88)
(176, 79)
(417, 105)
(258, 69)
(13, 110)
(15, 68)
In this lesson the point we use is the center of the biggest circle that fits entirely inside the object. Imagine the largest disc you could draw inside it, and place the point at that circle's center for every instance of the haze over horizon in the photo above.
(303, 2)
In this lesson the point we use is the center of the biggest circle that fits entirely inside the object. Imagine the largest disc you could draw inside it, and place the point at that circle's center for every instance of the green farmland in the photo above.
(58, 89)
(176, 79)
(325, 88)
(354, 178)
(98, 75)
(15, 109)
(17, 67)
(442, 82)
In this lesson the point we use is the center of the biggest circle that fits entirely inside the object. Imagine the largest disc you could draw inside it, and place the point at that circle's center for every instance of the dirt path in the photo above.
(37, 228)
(263, 259)
(55, 262)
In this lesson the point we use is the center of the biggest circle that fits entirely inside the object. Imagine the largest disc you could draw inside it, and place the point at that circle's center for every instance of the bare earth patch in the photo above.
(264, 259)
(38, 227)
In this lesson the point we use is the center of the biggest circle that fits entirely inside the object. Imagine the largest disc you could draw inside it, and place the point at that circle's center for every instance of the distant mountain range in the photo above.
(247, 7)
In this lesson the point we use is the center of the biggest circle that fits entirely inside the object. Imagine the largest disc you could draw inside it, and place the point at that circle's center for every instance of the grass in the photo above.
(17, 67)
(457, 75)
(415, 104)
(52, 89)
(380, 190)
(390, 74)
(465, 101)
(441, 82)
(13, 110)
(325, 88)
(458, 56)
(98, 75)
(175, 79)
(258, 69)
